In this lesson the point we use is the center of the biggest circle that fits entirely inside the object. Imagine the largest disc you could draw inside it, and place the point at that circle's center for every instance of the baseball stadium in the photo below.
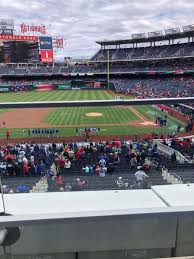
(97, 154)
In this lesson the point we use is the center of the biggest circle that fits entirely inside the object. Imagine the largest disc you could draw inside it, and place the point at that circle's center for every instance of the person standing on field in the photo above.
(24, 133)
(8, 135)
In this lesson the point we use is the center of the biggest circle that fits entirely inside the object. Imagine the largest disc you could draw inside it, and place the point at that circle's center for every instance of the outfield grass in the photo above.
(105, 131)
(60, 95)
(151, 113)
(70, 131)
(76, 116)
(5, 110)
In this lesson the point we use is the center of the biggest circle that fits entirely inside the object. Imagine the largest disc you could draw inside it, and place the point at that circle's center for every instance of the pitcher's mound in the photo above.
(93, 114)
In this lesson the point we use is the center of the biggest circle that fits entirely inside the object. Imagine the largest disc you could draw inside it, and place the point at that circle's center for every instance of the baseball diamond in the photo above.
(113, 120)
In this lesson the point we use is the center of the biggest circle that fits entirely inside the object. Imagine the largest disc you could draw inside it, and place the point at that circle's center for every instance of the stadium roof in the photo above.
(162, 37)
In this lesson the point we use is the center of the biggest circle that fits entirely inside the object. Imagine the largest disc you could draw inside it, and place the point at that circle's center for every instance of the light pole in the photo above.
(108, 68)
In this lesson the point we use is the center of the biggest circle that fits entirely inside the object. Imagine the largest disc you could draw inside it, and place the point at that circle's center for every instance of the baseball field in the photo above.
(111, 120)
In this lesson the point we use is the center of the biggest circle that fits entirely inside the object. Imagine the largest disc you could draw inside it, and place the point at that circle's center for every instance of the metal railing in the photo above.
(169, 151)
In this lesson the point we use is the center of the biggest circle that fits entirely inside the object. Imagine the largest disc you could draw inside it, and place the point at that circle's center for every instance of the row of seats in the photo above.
(167, 87)
(176, 50)
(21, 184)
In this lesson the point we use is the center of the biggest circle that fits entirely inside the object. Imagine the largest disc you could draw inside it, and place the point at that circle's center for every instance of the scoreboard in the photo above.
(6, 27)
(19, 52)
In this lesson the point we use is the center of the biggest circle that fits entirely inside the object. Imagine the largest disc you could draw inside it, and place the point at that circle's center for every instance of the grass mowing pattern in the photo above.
(147, 111)
(151, 113)
(112, 115)
(60, 95)
(75, 116)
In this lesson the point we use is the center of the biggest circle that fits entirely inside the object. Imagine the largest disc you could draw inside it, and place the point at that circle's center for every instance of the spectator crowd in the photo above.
(55, 161)
(152, 88)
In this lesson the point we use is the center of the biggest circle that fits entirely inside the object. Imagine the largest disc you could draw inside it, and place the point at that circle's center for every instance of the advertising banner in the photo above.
(58, 43)
(64, 86)
(47, 56)
(155, 33)
(44, 87)
(6, 32)
(6, 24)
(139, 36)
(4, 89)
(18, 38)
(97, 84)
(21, 88)
(188, 28)
(46, 43)
(172, 31)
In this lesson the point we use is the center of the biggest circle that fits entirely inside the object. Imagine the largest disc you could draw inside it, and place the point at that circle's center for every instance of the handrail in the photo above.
(177, 176)
(169, 151)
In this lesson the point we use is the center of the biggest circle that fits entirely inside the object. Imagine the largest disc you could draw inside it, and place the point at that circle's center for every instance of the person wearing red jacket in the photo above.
(25, 169)
(7, 134)
(59, 180)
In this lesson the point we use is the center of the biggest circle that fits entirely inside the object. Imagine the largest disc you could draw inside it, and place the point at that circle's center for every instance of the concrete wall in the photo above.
(140, 236)
(185, 236)
(100, 238)
(131, 233)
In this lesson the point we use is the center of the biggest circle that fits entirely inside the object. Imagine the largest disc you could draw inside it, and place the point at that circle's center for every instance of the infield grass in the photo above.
(76, 116)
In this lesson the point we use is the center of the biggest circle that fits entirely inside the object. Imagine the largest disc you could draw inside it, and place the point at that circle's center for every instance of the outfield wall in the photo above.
(72, 84)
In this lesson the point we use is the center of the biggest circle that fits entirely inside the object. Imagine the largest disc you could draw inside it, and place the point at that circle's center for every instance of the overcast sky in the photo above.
(82, 22)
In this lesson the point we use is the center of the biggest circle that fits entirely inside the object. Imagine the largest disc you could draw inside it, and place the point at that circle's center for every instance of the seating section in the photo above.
(100, 69)
(19, 184)
(13, 70)
(185, 146)
(184, 172)
(176, 50)
(109, 182)
(99, 164)
(161, 87)
(142, 59)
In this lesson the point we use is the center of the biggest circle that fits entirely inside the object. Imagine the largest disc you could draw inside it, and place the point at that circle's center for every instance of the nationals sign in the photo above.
(24, 28)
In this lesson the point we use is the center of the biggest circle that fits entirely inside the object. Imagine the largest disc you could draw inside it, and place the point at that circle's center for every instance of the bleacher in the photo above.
(186, 151)
(170, 87)
(159, 161)
(175, 50)
(185, 172)
(15, 182)
(109, 181)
